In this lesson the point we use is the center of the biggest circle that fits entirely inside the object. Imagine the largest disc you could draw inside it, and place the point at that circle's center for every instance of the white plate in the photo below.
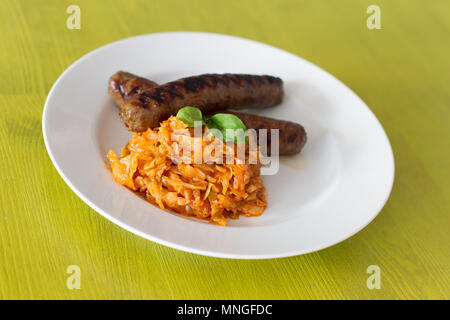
(334, 189)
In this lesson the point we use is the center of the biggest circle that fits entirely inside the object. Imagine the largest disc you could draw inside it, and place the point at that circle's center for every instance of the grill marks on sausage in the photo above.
(151, 101)
(160, 94)
(209, 92)
(124, 85)
(192, 85)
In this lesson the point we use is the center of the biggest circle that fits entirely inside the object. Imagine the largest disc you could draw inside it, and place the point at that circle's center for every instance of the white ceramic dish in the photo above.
(334, 189)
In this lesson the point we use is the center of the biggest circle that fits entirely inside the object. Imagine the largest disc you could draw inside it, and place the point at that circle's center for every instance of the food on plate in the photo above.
(292, 136)
(153, 165)
(124, 85)
(208, 92)
(161, 161)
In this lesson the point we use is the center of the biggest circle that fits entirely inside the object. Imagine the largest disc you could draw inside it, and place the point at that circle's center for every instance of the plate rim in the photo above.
(190, 248)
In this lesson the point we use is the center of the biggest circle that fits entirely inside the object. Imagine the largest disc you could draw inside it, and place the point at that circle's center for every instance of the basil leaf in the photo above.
(231, 127)
(189, 115)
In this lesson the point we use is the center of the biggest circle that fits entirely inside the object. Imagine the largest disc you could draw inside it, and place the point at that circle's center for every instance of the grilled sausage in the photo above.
(207, 92)
(123, 85)
(292, 136)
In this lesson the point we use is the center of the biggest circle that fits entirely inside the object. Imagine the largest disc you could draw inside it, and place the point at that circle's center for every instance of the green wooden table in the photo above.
(402, 71)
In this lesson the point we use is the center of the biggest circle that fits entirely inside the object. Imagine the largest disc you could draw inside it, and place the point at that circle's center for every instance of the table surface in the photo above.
(402, 71)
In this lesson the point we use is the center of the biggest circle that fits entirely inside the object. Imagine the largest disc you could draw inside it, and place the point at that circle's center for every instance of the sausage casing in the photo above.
(292, 136)
(208, 92)
(123, 85)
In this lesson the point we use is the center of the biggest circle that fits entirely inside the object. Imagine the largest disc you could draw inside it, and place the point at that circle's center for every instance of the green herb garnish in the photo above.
(231, 127)
(190, 115)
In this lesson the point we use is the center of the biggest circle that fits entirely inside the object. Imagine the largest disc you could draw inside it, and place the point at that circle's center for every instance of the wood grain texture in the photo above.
(401, 71)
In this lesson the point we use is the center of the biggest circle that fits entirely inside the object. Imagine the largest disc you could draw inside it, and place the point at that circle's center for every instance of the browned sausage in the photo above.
(292, 136)
(208, 92)
(123, 85)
